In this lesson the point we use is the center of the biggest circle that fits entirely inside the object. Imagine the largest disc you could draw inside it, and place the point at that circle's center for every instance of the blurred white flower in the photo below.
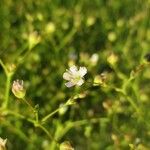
(74, 76)
(2, 143)
(94, 59)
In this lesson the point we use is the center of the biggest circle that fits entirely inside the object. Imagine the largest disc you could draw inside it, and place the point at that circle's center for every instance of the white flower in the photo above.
(2, 143)
(74, 76)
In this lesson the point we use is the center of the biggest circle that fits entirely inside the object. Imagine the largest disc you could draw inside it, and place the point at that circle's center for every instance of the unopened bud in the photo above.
(18, 89)
(90, 21)
(66, 146)
(100, 79)
(62, 109)
(11, 68)
(112, 59)
(50, 27)
(112, 36)
(33, 39)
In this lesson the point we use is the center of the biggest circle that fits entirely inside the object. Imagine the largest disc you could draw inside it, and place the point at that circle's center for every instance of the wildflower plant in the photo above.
(101, 101)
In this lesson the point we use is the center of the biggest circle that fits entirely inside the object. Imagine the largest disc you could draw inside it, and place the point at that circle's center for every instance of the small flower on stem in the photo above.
(74, 76)
(18, 89)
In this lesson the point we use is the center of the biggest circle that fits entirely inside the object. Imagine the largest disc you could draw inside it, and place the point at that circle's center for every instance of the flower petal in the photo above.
(69, 84)
(67, 76)
(73, 69)
(80, 82)
(82, 71)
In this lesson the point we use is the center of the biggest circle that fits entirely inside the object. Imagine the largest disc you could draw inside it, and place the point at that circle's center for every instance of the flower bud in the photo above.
(62, 109)
(50, 27)
(100, 79)
(112, 36)
(18, 89)
(11, 68)
(112, 59)
(33, 39)
(90, 21)
(66, 146)
(3, 144)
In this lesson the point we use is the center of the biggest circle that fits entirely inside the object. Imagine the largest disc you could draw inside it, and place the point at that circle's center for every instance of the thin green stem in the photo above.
(71, 101)
(66, 39)
(30, 106)
(45, 130)
(7, 91)
(133, 104)
(52, 113)
(70, 125)
(32, 109)
(48, 133)
(25, 55)
(37, 116)
(16, 131)
(129, 99)
(4, 67)
(9, 112)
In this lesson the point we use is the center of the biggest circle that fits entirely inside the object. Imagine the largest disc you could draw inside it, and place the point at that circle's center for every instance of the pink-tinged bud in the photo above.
(18, 89)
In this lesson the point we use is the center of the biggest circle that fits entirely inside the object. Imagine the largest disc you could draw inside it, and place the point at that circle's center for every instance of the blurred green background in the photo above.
(44, 38)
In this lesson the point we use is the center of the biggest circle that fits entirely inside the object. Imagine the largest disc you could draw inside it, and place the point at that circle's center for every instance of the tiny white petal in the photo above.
(69, 84)
(80, 82)
(94, 57)
(82, 71)
(73, 69)
(67, 76)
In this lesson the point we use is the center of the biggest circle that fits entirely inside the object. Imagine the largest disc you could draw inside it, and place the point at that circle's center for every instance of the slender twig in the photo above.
(30, 106)
(4, 67)
(48, 134)
(52, 113)
(36, 116)
(9, 112)
(46, 131)
(129, 99)
(72, 124)
(71, 101)
(7, 91)
(66, 39)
